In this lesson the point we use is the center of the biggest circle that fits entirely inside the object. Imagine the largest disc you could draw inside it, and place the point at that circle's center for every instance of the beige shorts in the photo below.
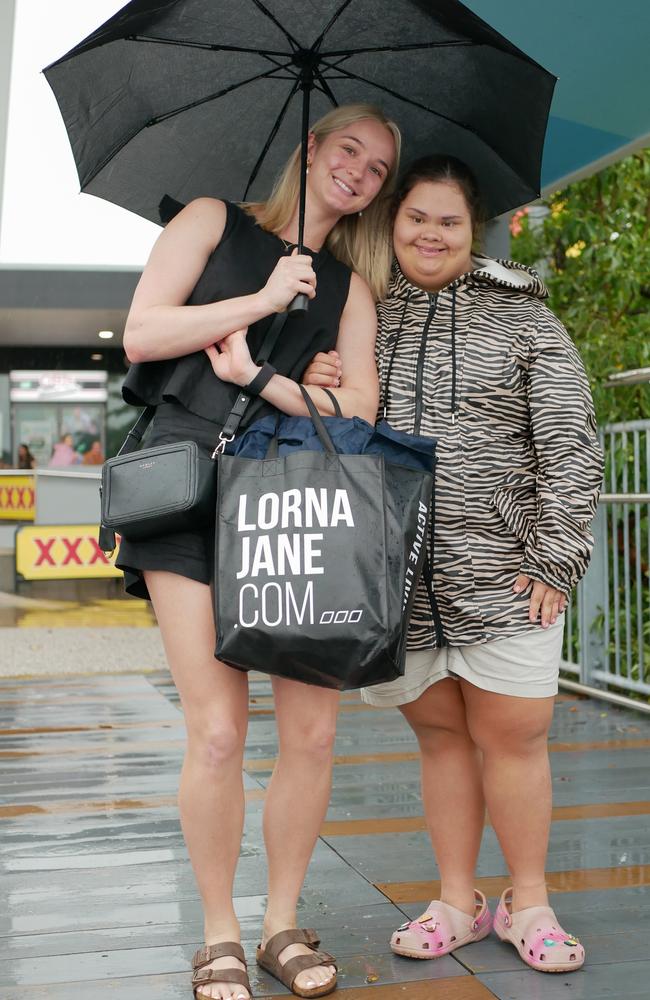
(525, 666)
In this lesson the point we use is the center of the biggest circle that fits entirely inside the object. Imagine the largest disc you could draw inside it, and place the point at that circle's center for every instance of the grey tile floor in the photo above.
(99, 899)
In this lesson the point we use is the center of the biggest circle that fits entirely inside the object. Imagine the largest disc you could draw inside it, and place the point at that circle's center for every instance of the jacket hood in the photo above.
(486, 272)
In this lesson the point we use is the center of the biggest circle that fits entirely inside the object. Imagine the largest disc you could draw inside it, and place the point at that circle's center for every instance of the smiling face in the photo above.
(349, 166)
(432, 234)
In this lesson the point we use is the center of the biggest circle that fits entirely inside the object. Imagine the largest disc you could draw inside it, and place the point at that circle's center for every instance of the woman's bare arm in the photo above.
(160, 325)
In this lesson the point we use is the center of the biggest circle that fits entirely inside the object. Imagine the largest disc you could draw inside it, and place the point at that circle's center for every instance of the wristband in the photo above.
(264, 375)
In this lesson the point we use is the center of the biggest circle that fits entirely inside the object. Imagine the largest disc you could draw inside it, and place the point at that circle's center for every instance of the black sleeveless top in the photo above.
(241, 265)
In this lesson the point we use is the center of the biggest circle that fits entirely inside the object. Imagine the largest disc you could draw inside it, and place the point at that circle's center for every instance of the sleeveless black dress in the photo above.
(193, 404)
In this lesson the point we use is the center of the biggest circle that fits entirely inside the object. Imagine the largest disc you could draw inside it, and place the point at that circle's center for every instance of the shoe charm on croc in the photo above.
(537, 936)
(441, 930)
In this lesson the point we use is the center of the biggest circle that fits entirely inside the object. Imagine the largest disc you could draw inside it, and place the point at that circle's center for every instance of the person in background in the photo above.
(64, 453)
(469, 353)
(25, 458)
(94, 454)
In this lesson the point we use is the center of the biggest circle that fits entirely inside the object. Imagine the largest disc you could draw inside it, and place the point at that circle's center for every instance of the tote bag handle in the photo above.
(317, 421)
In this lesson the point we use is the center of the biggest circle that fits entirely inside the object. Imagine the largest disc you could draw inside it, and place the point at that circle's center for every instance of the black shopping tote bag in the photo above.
(317, 559)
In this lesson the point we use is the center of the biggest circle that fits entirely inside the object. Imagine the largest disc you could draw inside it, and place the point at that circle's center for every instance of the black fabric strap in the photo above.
(135, 435)
(262, 379)
(236, 415)
(335, 402)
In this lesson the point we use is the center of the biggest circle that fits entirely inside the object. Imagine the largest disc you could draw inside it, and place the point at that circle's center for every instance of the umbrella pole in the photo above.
(301, 303)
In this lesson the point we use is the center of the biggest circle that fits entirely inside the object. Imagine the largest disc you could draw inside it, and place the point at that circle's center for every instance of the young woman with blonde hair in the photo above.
(216, 276)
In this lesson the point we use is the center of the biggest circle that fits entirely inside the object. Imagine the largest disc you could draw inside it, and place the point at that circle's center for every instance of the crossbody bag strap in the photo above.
(242, 402)
(135, 435)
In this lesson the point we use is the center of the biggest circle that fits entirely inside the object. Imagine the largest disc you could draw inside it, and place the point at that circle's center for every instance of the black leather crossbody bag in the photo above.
(172, 487)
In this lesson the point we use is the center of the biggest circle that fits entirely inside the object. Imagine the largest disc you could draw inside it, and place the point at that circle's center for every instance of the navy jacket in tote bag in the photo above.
(318, 552)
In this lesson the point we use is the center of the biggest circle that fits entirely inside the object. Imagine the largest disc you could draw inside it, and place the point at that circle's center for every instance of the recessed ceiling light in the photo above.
(106, 334)
(96, 357)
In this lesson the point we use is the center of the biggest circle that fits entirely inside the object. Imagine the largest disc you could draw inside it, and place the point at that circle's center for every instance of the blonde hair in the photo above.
(360, 241)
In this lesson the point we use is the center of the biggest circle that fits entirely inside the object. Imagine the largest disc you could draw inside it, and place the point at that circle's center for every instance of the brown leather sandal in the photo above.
(286, 973)
(203, 976)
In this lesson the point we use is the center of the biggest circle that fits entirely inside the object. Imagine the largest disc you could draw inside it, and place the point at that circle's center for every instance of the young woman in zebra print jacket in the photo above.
(469, 353)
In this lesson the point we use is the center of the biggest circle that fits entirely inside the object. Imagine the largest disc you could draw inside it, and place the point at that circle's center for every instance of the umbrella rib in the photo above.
(324, 87)
(347, 75)
(206, 46)
(171, 114)
(411, 47)
(288, 36)
(332, 21)
(215, 96)
(271, 136)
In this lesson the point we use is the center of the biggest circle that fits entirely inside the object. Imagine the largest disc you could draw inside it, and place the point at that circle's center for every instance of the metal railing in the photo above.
(607, 638)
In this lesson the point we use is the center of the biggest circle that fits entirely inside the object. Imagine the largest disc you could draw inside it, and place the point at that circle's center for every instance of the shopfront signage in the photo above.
(58, 386)
(17, 496)
(62, 552)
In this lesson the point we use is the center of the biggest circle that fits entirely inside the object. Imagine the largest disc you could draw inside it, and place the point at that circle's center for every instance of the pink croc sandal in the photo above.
(442, 929)
(536, 934)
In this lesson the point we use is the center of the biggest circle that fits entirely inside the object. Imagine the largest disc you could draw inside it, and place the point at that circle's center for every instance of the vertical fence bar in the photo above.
(568, 629)
(617, 610)
(626, 558)
(638, 559)
(606, 584)
(647, 486)
(592, 601)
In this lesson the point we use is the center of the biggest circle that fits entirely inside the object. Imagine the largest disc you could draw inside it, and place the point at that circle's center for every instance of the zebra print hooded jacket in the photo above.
(486, 368)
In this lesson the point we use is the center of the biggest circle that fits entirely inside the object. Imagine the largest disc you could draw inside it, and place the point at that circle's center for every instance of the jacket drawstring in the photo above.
(454, 407)
(394, 351)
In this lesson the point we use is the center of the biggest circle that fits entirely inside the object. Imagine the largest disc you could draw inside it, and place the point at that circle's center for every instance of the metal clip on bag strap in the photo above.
(236, 415)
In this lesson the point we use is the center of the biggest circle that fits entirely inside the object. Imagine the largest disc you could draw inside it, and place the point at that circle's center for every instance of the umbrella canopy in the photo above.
(187, 98)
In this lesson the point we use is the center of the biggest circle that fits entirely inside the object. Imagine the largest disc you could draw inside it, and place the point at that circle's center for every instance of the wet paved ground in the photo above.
(44, 637)
(99, 899)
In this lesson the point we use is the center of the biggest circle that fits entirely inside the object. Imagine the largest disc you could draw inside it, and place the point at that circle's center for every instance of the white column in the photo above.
(497, 237)
(7, 11)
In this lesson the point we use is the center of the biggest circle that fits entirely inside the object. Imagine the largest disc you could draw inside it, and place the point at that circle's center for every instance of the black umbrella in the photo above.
(186, 98)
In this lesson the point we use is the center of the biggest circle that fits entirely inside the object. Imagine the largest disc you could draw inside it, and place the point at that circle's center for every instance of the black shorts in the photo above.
(188, 553)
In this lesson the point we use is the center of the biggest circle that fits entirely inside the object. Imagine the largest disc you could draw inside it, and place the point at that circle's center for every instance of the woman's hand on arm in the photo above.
(231, 361)
(324, 370)
(160, 325)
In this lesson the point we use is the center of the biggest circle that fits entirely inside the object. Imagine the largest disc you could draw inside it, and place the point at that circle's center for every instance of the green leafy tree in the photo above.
(593, 250)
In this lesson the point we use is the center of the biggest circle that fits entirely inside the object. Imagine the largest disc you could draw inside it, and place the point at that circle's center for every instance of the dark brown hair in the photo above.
(449, 170)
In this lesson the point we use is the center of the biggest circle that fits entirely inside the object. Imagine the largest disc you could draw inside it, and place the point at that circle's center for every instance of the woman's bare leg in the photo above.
(512, 733)
(296, 804)
(452, 792)
(214, 698)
